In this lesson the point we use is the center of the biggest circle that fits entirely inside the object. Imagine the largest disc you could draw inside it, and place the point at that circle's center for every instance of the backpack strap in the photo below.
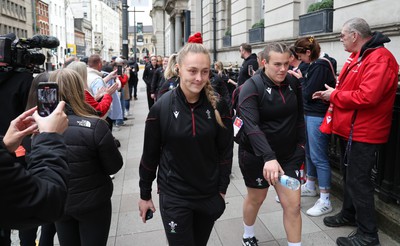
(260, 86)
(165, 114)
(330, 64)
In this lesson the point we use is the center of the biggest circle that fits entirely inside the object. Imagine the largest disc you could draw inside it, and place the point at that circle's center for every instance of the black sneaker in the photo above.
(338, 220)
(250, 241)
(357, 239)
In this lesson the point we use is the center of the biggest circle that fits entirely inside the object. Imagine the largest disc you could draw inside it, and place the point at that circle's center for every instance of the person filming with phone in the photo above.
(36, 195)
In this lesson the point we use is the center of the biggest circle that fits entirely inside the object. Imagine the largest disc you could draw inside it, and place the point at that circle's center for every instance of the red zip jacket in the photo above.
(367, 83)
(103, 106)
(124, 79)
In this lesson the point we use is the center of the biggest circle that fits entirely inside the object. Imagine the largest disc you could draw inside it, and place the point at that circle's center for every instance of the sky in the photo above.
(144, 17)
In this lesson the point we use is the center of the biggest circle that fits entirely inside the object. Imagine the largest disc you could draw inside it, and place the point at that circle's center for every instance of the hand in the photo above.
(111, 89)
(271, 171)
(153, 96)
(297, 73)
(111, 75)
(144, 206)
(324, 95)
(100, 93)
(20, 127)
(56, 122)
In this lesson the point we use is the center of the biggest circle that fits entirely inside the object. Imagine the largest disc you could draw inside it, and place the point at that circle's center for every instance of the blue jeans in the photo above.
(317, 162)
(121, 98)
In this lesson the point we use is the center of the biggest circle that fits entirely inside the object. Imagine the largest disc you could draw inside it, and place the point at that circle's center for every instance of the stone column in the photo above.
(178, 32)
(172, 36)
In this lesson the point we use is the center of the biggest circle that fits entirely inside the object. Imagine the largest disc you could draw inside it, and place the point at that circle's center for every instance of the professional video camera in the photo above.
(25, 53)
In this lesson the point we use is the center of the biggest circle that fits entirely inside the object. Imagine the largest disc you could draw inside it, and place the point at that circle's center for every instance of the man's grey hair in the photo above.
(358, 25)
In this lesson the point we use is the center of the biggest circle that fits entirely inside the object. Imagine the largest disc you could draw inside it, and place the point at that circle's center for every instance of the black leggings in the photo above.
(27, 237)
(5, 237)
(190, 222)
(89, 229)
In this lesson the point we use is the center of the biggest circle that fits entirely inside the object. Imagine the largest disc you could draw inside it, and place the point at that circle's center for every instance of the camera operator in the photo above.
(18, 60)
(14, 89)
(36, 195)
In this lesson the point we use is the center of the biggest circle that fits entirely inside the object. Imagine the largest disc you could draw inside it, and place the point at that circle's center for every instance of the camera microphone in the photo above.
(42, 41)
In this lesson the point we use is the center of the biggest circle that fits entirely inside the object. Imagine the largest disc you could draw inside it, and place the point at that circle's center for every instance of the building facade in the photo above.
(17, 16)
(225, 24)
(100, 21)
(41, 25)
(144, 47)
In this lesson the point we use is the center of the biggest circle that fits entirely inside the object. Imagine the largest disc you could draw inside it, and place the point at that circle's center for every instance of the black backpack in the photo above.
(259, 83)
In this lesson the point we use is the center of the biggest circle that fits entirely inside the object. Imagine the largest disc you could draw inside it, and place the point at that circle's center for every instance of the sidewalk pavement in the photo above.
(127, 228)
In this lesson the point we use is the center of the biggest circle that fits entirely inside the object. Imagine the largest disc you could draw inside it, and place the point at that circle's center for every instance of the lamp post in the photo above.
(125, 28)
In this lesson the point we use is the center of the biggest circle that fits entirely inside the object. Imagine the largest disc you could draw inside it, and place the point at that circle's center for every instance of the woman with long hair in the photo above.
(27, 237)
(189, 139)
(171, 79)
(319, 72)
(92, 157)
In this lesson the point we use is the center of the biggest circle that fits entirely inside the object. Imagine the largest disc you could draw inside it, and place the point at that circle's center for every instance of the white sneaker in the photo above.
(307, 192)
(277, 199)
(320, 208)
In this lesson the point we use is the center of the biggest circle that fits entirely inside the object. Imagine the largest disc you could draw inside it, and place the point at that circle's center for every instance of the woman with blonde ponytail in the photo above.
(189, 139)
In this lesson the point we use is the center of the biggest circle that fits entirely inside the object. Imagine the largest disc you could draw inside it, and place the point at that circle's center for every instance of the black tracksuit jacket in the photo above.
(192, 152)
(274, 129)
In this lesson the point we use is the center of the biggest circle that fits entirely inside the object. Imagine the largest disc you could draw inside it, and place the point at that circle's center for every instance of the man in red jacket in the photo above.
(362, 115)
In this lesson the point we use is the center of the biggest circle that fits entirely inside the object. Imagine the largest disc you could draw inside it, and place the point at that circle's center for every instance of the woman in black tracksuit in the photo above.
(92, 157)
(188, 137)
(273, 141)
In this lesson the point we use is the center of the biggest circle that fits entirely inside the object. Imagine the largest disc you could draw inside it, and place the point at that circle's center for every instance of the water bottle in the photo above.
(289, 182)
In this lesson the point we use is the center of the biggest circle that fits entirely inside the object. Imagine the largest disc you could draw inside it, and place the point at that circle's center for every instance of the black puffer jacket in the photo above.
(34, 196)
(92, 157)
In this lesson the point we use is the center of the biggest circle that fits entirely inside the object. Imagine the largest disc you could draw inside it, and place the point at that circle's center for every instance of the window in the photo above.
(84, 14)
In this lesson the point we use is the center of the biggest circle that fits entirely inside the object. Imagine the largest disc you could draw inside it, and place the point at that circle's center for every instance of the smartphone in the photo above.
(47, 98)
(119, 70)
(250, 70)
(149, 214)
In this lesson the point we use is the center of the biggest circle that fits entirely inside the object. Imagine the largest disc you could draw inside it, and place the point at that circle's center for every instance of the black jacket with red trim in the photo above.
(192, 152)
(274, 129)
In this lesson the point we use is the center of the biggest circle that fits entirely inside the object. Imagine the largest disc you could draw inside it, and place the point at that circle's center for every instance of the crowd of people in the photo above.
(189, 139)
